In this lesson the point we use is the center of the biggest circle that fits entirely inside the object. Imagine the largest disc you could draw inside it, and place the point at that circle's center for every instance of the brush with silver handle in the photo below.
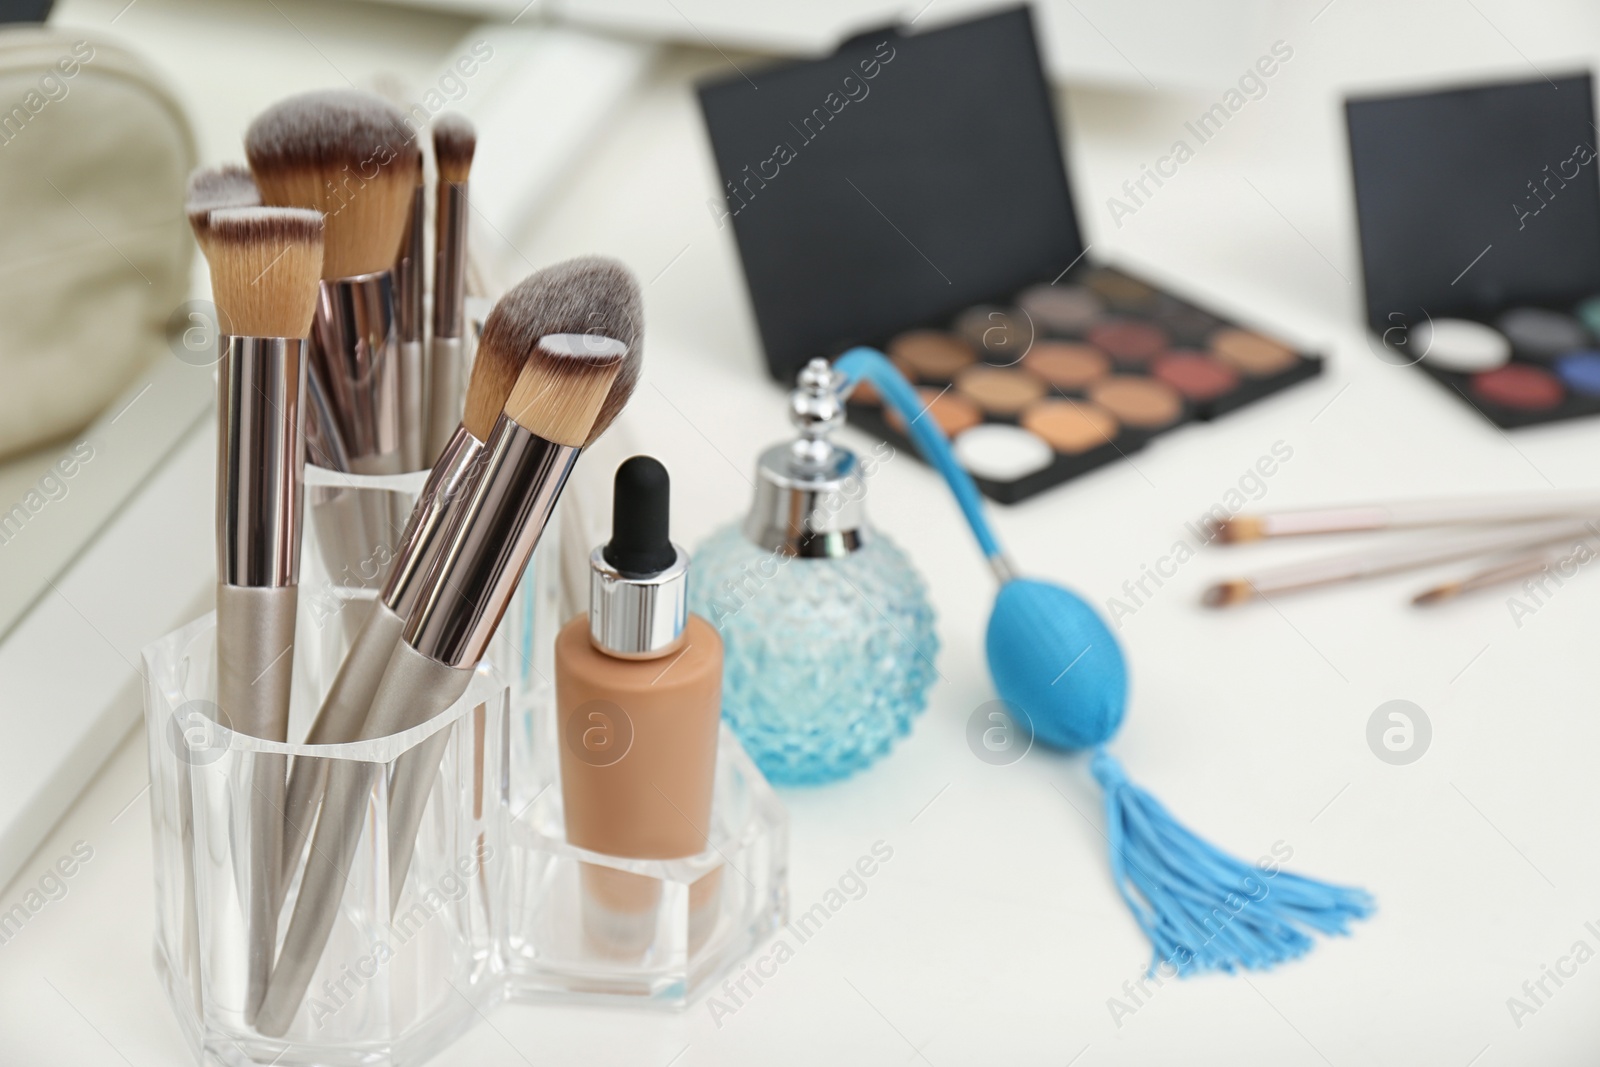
(352, 156)
(344, 709)
(264, 267)
(409, 281)
(571, 387)
(454, 143)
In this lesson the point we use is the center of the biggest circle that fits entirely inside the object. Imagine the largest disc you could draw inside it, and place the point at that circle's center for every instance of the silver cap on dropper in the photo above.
(809, 492)
(639, 580)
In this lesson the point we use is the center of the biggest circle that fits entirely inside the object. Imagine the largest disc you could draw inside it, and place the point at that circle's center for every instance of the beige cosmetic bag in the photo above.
(94, 246)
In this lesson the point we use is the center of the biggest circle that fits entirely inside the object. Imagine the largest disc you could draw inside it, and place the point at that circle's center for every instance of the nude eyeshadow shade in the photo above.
(932, 353)
(999, 390)
(1121, 291)
(1522, 386)
(1536, 333)
(1002, 453)
(1252, 354)
(1071, 426)
(995, 331)
(1127, 341)
(1196, 375)
(1066, 365)
(953, 412)
(1070, 309)
(1143, 403)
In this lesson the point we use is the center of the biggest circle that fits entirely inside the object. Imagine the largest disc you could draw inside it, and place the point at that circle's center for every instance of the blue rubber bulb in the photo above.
(1052, 657)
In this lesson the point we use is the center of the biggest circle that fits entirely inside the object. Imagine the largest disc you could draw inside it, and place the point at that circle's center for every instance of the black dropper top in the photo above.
(640, 546)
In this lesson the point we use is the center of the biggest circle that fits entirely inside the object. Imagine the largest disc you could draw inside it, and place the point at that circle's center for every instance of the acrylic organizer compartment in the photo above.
(353, 529)
(655, 932)
(385, 991)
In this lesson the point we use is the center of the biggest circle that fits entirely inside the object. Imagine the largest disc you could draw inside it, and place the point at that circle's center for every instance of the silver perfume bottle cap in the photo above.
(809, 492)
(638, 617)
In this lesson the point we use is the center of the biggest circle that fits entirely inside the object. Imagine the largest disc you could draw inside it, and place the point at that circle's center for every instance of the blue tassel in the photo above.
(1202, 909)
(1053, 658)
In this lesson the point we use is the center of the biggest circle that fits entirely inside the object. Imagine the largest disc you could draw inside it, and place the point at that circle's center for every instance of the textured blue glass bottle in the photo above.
(827, 631)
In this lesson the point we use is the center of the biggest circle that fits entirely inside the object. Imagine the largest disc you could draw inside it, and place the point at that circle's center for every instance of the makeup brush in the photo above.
(1403, 514)
(264, 268)
(571, 387)
(344, 708)
(1506, 570)
(211, 188)
(1356, 566)
(454, 142)
(351, 156)
(409, 283)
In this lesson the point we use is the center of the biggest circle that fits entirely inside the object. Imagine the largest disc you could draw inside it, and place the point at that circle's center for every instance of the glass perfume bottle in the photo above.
(828, 634)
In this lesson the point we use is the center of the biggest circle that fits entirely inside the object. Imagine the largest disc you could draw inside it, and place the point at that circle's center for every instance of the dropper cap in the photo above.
(638, 584)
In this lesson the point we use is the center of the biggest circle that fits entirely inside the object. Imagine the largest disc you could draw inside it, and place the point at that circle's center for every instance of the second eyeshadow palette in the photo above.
(1533, 365)
(1074, 375)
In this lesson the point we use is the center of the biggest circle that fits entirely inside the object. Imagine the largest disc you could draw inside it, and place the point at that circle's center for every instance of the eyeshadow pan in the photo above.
(1066, 365)
(1071, 426)
(1196, 375)
(1536, 333)
(1519, 385)
(995, 331)
(1119, 290)
(1128, 341)
(1062, 308)
(1458, 344)
(1002, 453)
(1581, 372)
(1588, 313)
(953, 412)
(1187, 324)
(1250, 353)
(1000, 390)
(932, 353)
(1143, 403)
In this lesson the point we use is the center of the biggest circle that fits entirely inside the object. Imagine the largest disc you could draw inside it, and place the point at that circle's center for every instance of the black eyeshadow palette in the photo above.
(909, 192)
(1479, 214)
(1067, 377)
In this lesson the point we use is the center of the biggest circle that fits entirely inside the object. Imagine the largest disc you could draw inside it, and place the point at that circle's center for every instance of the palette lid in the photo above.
(1474, 199)
(892, 184)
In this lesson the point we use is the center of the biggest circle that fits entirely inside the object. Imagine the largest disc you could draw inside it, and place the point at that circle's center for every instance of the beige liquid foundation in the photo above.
(638, 700)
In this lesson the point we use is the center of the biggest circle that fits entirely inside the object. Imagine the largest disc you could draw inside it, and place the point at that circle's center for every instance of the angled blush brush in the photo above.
(455, 140)
(264, 268)
(344, 708)
(571, 387)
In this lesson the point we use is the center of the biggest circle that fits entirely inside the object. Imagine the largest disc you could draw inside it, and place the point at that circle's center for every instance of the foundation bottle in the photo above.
(638, 700)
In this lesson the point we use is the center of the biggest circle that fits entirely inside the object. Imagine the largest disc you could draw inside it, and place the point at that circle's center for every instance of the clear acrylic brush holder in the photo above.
(494, 898)
(387, 990)
(658, 932)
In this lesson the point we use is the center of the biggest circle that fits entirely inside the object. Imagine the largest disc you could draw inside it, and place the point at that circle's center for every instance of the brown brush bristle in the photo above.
(494, 372)
(1226, 594)
(589, 295)
(350, 155)
(1238, 529)
(455, 139)
(213, 188)
(265, 264)
(1437, 595)
(564, 384)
